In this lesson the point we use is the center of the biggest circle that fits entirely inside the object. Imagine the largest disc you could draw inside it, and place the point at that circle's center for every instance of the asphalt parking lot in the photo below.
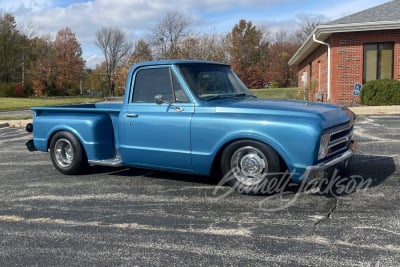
(135, 217)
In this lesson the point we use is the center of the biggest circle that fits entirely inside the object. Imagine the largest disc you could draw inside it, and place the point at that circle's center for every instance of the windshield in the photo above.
(211, 81)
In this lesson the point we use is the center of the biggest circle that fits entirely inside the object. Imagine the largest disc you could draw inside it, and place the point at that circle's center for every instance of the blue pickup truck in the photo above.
(196, 117)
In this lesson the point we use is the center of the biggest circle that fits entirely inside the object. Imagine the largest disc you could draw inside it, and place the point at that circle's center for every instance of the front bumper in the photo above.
(341, 158)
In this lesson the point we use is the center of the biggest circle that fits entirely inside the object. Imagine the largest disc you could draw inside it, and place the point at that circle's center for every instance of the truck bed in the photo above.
(95, 125)
(89, 107)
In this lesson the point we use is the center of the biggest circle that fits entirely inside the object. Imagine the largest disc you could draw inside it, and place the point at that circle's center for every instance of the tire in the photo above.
(248, 165)
(66, 153)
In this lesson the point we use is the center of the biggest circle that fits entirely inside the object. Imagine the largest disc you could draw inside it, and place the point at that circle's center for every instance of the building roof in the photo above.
(389, 11)
(382, 17)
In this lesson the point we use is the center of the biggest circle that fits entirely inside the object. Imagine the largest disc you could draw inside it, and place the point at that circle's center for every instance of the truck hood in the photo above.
(328, 114)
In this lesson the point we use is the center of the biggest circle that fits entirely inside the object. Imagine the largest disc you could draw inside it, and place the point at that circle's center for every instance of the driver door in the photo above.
(157, 135)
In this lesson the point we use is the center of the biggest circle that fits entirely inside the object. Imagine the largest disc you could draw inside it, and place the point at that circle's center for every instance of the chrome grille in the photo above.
(340, 138)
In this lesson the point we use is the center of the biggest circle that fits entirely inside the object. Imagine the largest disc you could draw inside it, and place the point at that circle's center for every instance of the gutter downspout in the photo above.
(328, 96)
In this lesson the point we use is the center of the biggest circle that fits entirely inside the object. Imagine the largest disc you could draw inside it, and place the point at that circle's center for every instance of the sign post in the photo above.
(356, 91)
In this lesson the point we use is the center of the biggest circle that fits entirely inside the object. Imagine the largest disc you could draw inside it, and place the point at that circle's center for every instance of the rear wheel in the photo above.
(66, 153)
(247, 165)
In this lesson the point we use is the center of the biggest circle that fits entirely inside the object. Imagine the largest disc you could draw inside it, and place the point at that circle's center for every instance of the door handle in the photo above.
(132, 115)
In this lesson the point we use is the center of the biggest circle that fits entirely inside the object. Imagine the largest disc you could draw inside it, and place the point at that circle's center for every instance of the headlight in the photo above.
(323, 146)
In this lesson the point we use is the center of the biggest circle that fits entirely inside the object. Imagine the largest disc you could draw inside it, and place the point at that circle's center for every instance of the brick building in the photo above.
(351, 50)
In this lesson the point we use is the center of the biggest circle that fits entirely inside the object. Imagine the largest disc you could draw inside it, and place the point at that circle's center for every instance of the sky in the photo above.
(137, 17)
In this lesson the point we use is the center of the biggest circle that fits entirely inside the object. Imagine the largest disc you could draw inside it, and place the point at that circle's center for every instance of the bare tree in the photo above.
(167, 34)
(205, 46)
(142, 52)
(306, 27)
(29, 30)
(116, 49)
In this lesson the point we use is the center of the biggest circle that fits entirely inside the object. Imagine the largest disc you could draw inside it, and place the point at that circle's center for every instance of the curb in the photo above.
(376, 110)
(14, 123)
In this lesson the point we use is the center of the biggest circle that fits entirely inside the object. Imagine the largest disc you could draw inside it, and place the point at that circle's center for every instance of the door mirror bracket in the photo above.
(159, 99)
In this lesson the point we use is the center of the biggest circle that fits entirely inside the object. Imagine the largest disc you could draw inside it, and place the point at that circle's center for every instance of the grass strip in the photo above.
(10, 103)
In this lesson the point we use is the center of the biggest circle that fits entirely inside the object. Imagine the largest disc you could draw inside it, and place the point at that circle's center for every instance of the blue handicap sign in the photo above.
(357, 89)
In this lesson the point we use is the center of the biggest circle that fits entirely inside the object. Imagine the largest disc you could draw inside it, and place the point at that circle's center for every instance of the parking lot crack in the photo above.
(327, 216)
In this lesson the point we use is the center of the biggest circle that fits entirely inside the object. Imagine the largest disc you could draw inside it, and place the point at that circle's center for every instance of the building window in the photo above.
(378, 61)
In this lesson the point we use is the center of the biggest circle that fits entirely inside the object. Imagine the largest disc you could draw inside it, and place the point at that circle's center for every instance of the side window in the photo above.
(152, 82)
(160, 81)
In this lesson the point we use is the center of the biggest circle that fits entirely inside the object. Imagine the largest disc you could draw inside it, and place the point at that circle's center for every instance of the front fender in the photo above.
(295, 142)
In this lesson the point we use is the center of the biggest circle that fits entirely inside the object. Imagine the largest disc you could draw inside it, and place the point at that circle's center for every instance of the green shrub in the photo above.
(7, 89)
(380, 92)
(275, 85)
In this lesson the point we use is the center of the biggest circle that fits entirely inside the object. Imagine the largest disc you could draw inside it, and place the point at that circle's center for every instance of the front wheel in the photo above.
(248, 165)
(66, 153)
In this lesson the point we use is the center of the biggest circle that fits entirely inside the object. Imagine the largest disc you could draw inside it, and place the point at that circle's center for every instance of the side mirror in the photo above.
(159, 99)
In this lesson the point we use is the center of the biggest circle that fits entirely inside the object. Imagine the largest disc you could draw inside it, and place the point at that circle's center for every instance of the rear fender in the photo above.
(94, 131)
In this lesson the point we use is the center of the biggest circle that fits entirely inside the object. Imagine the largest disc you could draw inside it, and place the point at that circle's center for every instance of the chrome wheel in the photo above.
(67, 153)
(249, 165)
(63, 152)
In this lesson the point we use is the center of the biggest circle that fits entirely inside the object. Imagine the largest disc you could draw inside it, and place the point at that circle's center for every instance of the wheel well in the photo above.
(74, 135)
(216, 166)
(52, 135)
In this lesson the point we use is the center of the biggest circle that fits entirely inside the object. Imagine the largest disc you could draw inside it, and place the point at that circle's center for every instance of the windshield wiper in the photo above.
(243, 94)
(214, 97)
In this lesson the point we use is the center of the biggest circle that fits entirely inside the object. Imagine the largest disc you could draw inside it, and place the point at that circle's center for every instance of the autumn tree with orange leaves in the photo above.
(68, 63)
(42, 66)
(247, 50)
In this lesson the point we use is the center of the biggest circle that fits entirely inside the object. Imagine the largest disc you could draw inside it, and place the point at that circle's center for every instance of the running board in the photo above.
(113, 162)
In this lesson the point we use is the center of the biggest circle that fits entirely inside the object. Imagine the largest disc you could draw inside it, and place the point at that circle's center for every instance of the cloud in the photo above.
(344, 8)
(23, 5)
(136, 17)
(93, 60)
